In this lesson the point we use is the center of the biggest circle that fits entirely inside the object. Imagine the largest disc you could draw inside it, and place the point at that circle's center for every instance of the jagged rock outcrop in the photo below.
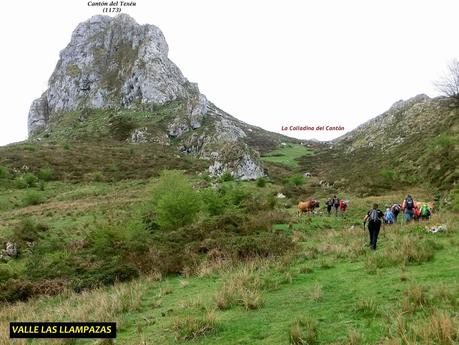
(239, 160)
(9, 252)
(112, 63)
(113, 66)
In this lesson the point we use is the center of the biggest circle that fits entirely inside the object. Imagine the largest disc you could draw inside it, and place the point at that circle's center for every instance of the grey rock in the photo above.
(112, 63)
(11, 249)
(238, 159)
(115, 63)
(38, 114)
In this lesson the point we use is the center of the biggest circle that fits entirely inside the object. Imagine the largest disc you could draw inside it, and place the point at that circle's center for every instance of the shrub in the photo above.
(415, 298)
(4, 173)
(240, 288)
(41, 185)
(120, 126)
(226, 176)
(28, 231)
(6, 272)
(387, 175)
(176, 204)
(15, 290)
(297, 180)
(190, 327)
(367, 307)
(261, 182)
(439, 328)
(303, 332)
(33, 198)
(26, 180)
(46, 174)
(213, 202)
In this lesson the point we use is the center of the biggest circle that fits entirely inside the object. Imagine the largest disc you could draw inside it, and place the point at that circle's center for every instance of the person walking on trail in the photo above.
(389, 217)
(374, 217)
(408, 207)
(396, 208)
(329, 205)
(424, 212)
(336, 204)
(343, 204)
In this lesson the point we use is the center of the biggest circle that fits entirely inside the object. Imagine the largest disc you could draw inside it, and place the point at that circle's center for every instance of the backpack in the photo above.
(409, 203)
(389, 217)
(425, 211)
(374, 216)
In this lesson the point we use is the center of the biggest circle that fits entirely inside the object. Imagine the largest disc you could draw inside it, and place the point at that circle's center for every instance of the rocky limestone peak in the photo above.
(404, 104)
(112, 68)
(110, 63)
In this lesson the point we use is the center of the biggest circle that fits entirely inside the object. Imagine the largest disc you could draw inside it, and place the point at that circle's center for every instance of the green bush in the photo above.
(46, 174)
(6, 272)
(4, 173)
(213, 202)
(261, 182)
(15, 290)
(176, 203)
(297, 180)
(226, 176)
(28, 231)
(33, 198)
(26, 180)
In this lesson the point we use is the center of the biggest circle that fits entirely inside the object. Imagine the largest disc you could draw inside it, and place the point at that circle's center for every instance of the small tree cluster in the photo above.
(449, 82)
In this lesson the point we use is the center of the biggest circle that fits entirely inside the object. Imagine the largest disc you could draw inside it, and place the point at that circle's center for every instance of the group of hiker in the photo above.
(338, 205)
(411, 210)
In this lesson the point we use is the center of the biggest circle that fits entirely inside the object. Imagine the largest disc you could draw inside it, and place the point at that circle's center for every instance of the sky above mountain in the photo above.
(273, 64)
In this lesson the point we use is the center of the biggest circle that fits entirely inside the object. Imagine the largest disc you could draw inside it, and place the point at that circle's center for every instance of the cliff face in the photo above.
(113, 63)
(114, 80)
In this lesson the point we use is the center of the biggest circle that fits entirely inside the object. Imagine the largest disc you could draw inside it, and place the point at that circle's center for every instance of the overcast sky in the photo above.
(269, 63)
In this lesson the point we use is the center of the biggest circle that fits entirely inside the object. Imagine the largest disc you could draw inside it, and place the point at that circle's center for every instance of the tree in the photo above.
(449, 82)
(176, 203)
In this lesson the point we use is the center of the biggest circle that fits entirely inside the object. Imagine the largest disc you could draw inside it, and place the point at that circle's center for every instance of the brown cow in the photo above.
(307, 206)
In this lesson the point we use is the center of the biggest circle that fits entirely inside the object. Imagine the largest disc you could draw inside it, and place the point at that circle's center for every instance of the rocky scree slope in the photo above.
(115, 78)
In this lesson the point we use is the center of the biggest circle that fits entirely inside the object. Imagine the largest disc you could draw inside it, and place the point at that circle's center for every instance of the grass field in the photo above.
(287, 155)
(330, 289)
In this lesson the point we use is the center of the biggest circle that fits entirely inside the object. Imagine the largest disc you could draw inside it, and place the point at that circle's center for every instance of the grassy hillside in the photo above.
(415, 143)
(327, 288)
(141, 235)
(89, 161)
(287, 154)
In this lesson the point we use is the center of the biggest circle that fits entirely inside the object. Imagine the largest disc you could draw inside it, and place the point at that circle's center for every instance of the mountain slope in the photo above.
(415, 142)
(114, 81)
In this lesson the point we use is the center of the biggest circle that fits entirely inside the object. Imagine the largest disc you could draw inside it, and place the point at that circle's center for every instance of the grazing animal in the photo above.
(307, 206)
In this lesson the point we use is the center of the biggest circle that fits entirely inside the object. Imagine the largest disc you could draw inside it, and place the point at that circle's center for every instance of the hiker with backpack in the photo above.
(329, 203)
(389, 217)
(343, 204)
(425, 212)
(396, 208)
(374, 217)
(409, 207)
(336, 204)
